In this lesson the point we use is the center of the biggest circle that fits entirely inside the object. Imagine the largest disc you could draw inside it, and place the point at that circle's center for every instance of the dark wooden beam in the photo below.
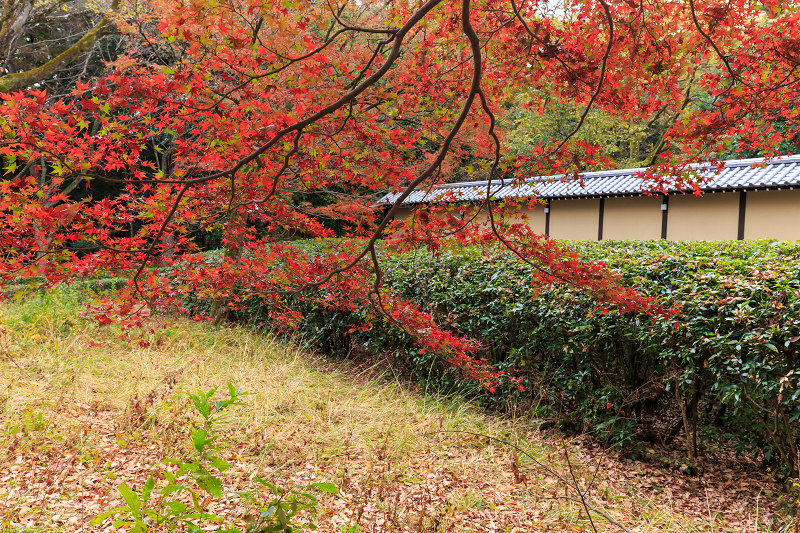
(742, 210)
(547, 218)
(600, 220)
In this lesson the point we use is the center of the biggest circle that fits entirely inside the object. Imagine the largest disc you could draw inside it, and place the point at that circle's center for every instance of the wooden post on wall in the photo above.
(547, 218)
(742, 209)
(600, 220)
(664, 215)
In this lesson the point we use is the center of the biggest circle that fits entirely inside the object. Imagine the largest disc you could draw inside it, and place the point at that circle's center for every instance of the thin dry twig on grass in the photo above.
(571, 483)
(4, 347)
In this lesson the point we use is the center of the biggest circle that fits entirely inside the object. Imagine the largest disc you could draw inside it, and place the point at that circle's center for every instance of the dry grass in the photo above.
(83, 409)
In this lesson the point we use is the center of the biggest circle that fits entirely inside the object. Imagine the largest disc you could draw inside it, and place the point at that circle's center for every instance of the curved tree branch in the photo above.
(20, 80)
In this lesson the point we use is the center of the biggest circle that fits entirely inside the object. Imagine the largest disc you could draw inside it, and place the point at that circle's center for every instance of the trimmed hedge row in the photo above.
(724, 368)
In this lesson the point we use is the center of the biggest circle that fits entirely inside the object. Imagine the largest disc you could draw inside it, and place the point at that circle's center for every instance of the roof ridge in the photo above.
(731, 163)
(778, 172)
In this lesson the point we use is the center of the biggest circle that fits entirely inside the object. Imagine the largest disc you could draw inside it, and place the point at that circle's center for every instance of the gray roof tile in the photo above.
(740, 174)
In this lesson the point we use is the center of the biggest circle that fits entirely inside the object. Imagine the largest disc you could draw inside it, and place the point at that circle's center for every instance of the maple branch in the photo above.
(358, 29)
(348, 97)
(363, 72)
(152, 47)
(344, 121)
(345, 99)
(465, 223)
(251, 78)
(473, 37)
(376, 292)
(291, 61)
(475, 89)
(287, 158)
(518, 14)
(659, 148)
(149, 252)
(256, 30)
(708, 38)
(232, 195)
(434, 165)
(603, 66)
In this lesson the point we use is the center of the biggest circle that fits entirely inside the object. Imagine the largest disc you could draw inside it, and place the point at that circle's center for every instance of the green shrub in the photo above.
(731, 351)
(723, 367)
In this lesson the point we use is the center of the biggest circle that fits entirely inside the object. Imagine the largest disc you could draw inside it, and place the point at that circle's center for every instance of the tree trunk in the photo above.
(687, 427)
(20, 80)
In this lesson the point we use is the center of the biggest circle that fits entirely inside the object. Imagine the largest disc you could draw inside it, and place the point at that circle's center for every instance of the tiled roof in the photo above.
(740, 174)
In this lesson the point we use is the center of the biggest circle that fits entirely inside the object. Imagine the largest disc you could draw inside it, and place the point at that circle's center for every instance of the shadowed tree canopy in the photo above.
(50, 41)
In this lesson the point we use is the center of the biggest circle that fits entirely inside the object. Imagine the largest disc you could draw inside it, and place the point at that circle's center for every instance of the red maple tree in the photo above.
(265, 120)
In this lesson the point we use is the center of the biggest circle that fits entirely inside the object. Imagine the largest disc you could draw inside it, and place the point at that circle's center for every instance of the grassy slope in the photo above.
(82, 410)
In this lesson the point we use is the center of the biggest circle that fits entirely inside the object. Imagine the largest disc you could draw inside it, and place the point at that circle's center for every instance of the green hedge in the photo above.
(96, 285)
(723, 368)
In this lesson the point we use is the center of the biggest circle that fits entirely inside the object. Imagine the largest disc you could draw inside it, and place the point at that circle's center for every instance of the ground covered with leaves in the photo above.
(84, 410)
